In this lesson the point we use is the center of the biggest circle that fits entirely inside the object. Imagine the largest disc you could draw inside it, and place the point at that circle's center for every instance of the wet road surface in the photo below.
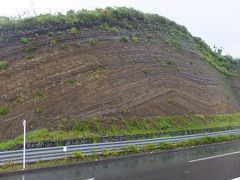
(214, 162)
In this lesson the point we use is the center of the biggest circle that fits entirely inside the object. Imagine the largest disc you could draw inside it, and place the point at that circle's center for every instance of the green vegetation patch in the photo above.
(3, 110)
(39, 93)
(93, 128)
(52, 42)
(225, 64)
(145, 71)
(77, 44)
(179, 68)
(134, 39)
(63, 46)
(77, 155)
(71, 81)
(31, 48)
(171, 62)
(3, 64)
(153, 124)
(23, 40)
(50, 34)
(114, 30)
(173, 44)
(59, 33)
(73, 30)
(92, 42)
(128, 18)
(30, 56)
(124, 39)
(104, 26)
(170, 100)
(39, 110)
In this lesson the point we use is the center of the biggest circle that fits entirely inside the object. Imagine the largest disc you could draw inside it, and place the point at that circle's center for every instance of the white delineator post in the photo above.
(24, 143)
(64, 148)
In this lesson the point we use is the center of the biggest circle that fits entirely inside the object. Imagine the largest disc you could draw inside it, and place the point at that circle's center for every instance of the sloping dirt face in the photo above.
(113, 78)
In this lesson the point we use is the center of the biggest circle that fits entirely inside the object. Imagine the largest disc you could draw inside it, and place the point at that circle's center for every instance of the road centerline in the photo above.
(212, 157)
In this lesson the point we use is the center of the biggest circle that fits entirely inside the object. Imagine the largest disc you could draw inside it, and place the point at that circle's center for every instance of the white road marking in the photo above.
(90, 179)
(211, 157)
(236, 178)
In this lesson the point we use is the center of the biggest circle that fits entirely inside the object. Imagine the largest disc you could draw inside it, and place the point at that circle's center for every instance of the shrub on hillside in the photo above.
(179, 68)
(92, 42)
(77, 44)
(124, 38)
(63, 46)
(3, 110)
(72, 30)
(23, 40)
(170, 62)
(145, 71)
(39, 110)
(3, 64)
(59, 33)
(30, 56)
(104, 26)
(52, 42)
(134, 39)
(170, 100)
(50, 34)
(71, 81)
(114, 30)
(31, 48)
(39, 93)
(173, 43)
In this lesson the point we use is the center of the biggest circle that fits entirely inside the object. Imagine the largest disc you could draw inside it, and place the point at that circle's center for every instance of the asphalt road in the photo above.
(218, 162)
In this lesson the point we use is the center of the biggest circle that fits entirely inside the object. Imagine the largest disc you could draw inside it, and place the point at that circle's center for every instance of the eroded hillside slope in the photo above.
(105, 72)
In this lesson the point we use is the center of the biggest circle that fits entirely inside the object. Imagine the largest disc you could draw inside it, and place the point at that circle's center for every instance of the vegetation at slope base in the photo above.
(94, 129)
(123, 17)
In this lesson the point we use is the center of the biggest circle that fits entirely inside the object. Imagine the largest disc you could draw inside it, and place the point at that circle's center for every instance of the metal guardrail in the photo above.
(50, 153)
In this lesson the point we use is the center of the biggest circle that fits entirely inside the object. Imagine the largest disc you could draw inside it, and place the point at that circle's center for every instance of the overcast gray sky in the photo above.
(215, 21)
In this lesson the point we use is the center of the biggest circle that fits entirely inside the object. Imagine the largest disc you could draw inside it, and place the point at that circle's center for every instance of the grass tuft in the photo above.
(3, 110)
(3, 64)
(92, 42)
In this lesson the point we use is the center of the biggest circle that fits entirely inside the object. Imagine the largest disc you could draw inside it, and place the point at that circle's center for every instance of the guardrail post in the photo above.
(24, 144)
